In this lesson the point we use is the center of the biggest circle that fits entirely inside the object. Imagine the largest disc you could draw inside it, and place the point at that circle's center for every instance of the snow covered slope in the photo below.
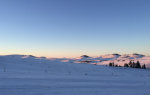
(116, 58)
(29, 75)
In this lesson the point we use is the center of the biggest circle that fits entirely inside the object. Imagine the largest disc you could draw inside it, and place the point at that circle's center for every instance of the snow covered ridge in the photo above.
(115, 58)
(100, 60)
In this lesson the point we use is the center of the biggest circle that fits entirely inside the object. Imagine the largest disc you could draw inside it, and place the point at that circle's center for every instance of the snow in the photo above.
(28, 75)
(117, 59)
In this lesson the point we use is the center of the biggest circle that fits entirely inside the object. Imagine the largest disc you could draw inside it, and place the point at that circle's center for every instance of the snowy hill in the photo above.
(29, 75)
(116, 58)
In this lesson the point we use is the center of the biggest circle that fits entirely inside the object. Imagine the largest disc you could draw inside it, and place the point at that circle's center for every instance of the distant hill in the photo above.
(116, 58)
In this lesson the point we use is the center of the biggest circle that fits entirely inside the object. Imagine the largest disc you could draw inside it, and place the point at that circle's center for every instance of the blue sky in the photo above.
(70, 28)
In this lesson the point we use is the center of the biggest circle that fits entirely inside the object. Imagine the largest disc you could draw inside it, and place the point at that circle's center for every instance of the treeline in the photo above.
(131, 64)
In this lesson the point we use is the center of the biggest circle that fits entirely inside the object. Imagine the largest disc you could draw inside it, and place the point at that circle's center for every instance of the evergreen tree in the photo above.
(126, 65)
(137, 64)
(144, 66)
(130, 63)
(116, 65)
(110, 64)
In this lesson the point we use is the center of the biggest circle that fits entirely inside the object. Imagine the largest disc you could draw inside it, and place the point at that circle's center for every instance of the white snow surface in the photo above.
(29, 75)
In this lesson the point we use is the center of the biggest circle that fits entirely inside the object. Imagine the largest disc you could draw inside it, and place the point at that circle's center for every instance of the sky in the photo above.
(71, 28)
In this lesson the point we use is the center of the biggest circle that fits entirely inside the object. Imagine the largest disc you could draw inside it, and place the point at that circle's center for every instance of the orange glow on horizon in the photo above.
(61, 54)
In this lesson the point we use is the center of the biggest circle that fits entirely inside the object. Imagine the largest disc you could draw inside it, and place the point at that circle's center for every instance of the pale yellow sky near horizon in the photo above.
(68, 54)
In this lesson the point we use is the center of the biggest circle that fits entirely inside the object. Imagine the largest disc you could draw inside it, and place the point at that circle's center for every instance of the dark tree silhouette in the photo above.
(144, 66)
(130, 64)
(126, 65)
(116, 65)
(110, 64)
(137, 64)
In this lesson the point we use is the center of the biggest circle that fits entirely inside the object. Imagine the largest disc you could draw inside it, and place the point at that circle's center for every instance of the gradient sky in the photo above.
(70, 28)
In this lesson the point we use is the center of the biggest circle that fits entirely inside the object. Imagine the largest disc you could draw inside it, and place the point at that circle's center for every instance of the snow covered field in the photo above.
(28, 75)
